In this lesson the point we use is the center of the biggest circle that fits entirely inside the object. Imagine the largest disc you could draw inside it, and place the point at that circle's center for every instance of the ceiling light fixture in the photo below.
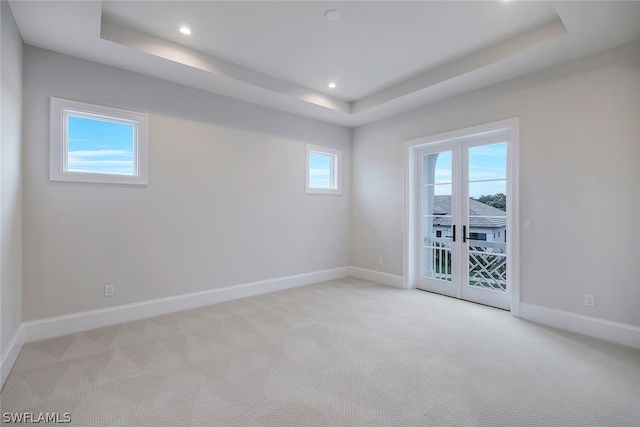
(332, 85)
(332, 15)
(185, 30)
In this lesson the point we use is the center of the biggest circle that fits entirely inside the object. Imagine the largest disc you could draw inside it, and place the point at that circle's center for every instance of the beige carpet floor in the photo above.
(340, 353)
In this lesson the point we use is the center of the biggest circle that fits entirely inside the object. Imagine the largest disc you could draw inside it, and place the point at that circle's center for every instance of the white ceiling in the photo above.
(385, 57)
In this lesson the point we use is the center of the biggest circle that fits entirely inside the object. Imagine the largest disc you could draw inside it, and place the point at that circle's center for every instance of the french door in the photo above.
(462, 232)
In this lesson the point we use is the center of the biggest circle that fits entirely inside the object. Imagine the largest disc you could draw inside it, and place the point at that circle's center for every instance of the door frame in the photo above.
(410, 217)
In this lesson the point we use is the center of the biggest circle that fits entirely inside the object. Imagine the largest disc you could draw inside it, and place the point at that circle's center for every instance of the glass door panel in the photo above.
(438, 167)
(436, 222)
(436, 249)
(485, 224)
(488, 162)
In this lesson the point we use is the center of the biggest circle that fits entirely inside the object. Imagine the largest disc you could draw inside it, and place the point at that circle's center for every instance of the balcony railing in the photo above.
(487, 262)
(488, 265)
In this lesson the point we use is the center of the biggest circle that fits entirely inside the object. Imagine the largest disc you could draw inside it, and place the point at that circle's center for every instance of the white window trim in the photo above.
(337, 172)
(58, 157)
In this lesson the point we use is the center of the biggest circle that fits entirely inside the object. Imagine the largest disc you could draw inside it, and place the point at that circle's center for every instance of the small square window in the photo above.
(324, 170)
(92, 143)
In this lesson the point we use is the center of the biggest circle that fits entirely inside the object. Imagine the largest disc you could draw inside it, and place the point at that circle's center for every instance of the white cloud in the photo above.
(101, 161)
(318, 172)
(100, 153)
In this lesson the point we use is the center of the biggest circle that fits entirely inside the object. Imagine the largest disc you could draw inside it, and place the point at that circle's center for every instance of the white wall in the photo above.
(225, 203)
(11, 185)
(579, 169)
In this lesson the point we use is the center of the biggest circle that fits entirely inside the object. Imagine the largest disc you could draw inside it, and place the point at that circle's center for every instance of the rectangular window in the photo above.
(324, 170)
(478, 236)
(92, 143)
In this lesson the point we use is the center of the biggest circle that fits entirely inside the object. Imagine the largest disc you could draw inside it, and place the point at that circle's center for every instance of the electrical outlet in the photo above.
(589, 300)
(527, 224)
(319, 260)
(380, 261)
(108, 291)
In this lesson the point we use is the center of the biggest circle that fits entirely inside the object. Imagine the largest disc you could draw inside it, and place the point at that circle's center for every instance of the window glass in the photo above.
(100, 146)
(324, 169)
(320, 170)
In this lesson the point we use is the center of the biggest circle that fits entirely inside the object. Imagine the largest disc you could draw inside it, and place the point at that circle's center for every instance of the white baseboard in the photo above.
(377, 276)
(607, 330)
(10, 354)
(78, 322)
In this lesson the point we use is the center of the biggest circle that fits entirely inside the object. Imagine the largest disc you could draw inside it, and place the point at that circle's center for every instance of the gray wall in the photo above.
(11, 174)
(579, 173)
(225, 203)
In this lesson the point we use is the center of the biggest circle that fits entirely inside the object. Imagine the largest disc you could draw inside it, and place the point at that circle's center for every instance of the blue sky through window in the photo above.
(487, 170)
(98, 146)
(320, 170)
(486, 163)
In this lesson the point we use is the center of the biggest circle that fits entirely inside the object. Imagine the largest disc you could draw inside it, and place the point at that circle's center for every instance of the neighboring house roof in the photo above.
(480, 215)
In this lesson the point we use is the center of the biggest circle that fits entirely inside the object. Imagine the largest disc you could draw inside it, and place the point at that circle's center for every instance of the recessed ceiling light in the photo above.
(332, 85)
(332, 15)
(185, 30)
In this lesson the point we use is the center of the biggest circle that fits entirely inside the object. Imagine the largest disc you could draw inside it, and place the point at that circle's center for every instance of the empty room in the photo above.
(308, 213)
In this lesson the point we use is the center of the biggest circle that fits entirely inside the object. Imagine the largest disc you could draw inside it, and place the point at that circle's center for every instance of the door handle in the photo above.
(454, 233)
(464, 234)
